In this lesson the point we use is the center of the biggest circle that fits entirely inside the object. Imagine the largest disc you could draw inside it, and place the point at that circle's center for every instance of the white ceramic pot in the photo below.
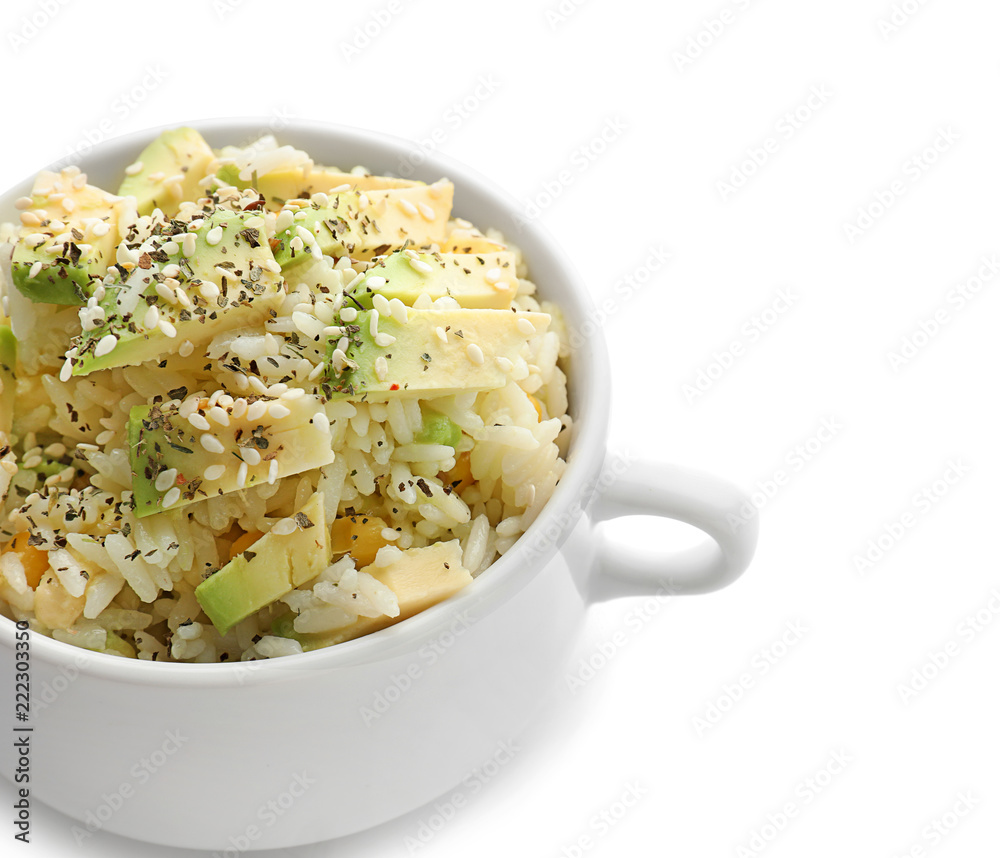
(306, 748)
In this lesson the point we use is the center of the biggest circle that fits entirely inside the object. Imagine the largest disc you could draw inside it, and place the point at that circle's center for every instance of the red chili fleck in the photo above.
(180, 480)
(394, 387)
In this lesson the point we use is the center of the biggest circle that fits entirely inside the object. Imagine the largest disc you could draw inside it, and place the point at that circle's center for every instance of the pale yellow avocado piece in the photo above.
(462, 240)
(168, 171)
(65, 196)
(283, 185)
(420, 578)
(272, 567)
(435, 353)
(479, 281)
(67, 239)
(363, 224)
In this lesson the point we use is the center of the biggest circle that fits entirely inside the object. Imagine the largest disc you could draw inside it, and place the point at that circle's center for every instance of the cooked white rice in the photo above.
(124, 585)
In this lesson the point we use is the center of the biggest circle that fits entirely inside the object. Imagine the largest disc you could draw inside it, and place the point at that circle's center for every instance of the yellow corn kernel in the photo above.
(244, 542)
(34, 560)
(358, 535)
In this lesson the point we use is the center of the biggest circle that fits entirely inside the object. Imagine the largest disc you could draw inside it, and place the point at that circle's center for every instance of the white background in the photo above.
(522, 91)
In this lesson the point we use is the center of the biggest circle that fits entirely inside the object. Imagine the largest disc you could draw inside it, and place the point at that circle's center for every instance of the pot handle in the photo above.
(697, 498)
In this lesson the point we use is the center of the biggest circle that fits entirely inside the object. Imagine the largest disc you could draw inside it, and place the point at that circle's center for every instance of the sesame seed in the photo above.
(215, 472)
(68, 204)
(421, 266)
(341, 188)
(239, 408)
(23, 203)
(398, 310)
(349, 314)
(501, 285)
(208, 290)
(30, 219)
(171, 497)
(166, 479)
(339, 358)
(211, 444)
(219, 415)
(106, 345)
(199, 422)
(166, 294)
(505, 364)
(278, 411)
(189, 244)
(167, 329)
(101, 229)
(493, 275)
(475, 354)
(441, 334)
(321, 421)
(158, 176)
(272, 266)
(36, 267)
(373, 323)
(285, 527)
(272, 472)
(380, 302)
(186, 349)
(426, 212)
(383, 340)
(293, 394)
(525, 327)
(381, 368)
(285, 220)
(408, 207)
(251, 456)
(66, 373)
(214, 236)
(133, 169)
(257, 384)
(257, 409)
(241, 476)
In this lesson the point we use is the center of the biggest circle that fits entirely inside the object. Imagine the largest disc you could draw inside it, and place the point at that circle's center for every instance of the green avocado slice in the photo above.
(273, 566)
